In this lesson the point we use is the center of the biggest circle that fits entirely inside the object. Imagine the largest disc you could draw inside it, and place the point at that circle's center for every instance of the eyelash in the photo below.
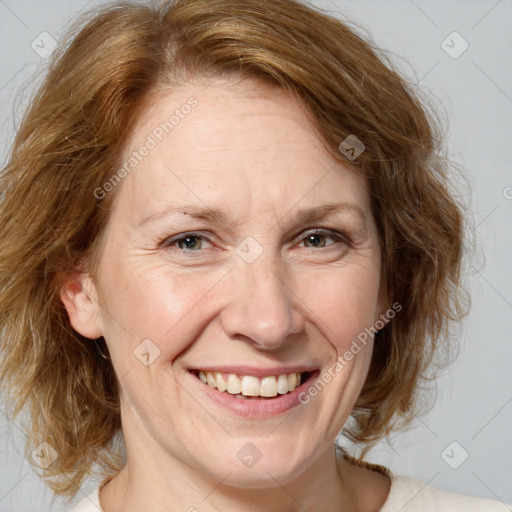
(335, 235)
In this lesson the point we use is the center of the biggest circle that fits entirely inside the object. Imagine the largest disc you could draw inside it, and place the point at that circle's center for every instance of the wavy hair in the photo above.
(71, 139)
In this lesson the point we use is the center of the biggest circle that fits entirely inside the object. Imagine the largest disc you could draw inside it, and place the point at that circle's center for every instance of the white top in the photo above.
(405, 495)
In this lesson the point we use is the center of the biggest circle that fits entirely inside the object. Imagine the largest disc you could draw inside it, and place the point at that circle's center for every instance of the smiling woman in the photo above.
(226, 231)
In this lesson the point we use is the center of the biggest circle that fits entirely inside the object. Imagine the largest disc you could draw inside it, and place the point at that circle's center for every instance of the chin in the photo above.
(259, 464)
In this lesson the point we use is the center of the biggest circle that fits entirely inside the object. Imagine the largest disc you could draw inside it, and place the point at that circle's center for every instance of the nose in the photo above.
(262, 308)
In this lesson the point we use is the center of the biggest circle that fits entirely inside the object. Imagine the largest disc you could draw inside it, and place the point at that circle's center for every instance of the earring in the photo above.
(107, 357)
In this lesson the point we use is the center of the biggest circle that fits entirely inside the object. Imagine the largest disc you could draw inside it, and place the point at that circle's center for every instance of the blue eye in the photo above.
(188, 242)
(192, 243)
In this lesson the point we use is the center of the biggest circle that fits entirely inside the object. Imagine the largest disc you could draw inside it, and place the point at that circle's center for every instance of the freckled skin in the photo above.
(302, 301)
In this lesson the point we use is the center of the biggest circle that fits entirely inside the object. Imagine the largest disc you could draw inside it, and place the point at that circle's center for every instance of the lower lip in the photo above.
(254, 408)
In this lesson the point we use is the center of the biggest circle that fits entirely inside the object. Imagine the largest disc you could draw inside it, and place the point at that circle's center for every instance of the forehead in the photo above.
(225, 117)
(241, 142)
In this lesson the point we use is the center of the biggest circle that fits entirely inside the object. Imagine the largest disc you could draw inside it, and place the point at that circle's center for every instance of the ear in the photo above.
(79, 297)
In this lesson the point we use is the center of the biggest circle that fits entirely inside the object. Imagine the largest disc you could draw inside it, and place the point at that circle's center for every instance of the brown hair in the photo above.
(71, 139)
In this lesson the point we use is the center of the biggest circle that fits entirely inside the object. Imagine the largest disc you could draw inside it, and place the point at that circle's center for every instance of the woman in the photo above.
(234, 234)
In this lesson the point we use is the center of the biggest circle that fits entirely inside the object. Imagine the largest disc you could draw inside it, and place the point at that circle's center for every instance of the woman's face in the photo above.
(237, 245)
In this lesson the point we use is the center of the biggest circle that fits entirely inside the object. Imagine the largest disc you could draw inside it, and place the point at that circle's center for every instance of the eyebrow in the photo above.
(305, 214)
(326, 210)
(203, 213)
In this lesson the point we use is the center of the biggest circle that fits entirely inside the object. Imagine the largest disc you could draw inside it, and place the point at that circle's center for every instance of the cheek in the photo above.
(155, 303)
(344, 301)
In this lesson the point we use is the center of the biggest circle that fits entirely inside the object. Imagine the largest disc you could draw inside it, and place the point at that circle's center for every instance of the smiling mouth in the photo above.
(247, 387)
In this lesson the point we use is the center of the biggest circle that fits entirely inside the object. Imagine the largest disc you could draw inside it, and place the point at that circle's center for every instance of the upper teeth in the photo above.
(249, 385)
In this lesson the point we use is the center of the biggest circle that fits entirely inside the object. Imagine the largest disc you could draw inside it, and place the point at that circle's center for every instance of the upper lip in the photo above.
(254, 371)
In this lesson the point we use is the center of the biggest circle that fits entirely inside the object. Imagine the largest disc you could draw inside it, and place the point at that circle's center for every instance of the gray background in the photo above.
(474, 403)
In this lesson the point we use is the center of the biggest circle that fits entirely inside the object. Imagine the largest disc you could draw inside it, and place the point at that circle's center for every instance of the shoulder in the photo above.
(408, 494)
(90, 503)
